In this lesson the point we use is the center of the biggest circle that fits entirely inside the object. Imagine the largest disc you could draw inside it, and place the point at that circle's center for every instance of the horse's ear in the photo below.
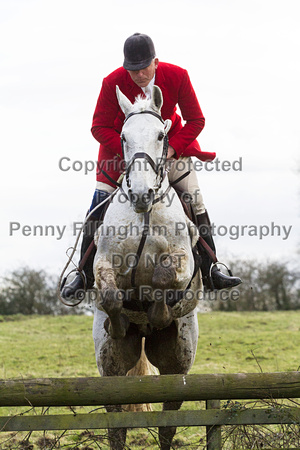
(168, 124)
(124, 103)
(156, 99)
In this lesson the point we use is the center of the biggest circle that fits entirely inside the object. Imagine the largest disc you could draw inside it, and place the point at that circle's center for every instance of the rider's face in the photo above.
(143, 77)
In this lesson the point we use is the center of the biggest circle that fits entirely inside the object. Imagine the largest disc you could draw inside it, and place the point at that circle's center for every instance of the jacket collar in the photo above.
(159, 76)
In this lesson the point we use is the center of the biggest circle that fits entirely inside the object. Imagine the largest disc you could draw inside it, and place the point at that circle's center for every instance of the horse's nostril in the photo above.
(133, 197)
(151, 195)
(130, 195)
(148, 198)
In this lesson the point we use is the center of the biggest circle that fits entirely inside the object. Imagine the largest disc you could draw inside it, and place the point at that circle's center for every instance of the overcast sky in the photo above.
(243, 60)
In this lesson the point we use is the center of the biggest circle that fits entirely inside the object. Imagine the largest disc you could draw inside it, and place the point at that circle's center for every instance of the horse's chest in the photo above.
(127, 256)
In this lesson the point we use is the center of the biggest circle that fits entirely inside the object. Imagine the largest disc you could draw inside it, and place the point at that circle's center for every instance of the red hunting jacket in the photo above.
(108, 119)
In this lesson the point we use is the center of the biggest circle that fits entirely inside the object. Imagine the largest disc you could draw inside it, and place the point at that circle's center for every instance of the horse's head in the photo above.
(145, 146)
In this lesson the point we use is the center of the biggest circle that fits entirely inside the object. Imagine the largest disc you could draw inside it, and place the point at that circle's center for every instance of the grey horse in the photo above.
(148, 290)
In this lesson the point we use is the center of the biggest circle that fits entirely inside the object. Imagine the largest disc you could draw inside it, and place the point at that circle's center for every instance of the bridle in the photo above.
(160, 172)
(159, 167)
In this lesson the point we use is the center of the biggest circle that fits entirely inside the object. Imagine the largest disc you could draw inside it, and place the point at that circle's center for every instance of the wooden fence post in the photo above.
(213, 433)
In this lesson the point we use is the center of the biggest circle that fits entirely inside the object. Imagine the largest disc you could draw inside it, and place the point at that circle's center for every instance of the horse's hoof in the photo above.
(117, 331)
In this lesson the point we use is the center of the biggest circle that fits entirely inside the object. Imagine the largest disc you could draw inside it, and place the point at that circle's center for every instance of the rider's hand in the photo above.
(171, 152)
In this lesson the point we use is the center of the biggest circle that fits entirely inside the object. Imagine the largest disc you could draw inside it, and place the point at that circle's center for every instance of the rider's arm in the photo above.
(106, 113)
(191, 114)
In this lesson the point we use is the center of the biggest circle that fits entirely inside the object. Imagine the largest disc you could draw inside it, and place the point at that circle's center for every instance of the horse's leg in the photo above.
(115, 357)
(172, 350)
(110, 300)
(168, 273)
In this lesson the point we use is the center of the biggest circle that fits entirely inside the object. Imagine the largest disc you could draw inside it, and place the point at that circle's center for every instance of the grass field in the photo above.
(34, 347)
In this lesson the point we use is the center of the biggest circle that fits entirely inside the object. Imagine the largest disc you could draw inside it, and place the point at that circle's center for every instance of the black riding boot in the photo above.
(218, 280)
(84, 279)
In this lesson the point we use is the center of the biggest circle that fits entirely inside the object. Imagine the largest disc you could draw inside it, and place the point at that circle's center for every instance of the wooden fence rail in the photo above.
(150, 389)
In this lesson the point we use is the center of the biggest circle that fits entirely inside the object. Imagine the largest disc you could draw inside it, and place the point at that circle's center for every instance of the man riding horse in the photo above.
(141, 70)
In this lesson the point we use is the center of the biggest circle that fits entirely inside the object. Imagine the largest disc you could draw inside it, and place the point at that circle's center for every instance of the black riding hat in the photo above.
(139, 51)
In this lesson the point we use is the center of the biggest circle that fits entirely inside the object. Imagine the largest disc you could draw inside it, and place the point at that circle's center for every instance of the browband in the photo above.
(158, 116)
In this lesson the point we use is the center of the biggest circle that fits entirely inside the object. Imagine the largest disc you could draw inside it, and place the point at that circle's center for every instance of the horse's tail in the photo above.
(142, 367)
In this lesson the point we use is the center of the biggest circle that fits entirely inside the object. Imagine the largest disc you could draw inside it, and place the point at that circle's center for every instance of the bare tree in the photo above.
(266, 287)
(27, 291)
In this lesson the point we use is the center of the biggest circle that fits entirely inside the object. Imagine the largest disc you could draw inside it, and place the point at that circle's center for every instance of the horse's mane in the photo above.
(141, 104)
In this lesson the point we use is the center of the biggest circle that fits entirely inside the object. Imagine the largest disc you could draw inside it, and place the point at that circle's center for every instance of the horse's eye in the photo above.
(161, 136)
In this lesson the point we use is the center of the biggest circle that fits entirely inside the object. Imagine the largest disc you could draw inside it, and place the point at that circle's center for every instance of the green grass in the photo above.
(46, 346)
(240, 342)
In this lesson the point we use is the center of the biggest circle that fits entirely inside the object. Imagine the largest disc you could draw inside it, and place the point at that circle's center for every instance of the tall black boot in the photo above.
(84, 278)
(212, 278)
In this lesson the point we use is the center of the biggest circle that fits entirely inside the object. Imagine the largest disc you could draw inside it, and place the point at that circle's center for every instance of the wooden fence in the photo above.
(151, 389)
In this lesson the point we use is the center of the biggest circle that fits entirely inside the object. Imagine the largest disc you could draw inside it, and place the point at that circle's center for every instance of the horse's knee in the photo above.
(110, 300)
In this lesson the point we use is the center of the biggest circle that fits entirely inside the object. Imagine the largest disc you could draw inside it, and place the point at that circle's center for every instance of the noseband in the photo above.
(158, 168)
